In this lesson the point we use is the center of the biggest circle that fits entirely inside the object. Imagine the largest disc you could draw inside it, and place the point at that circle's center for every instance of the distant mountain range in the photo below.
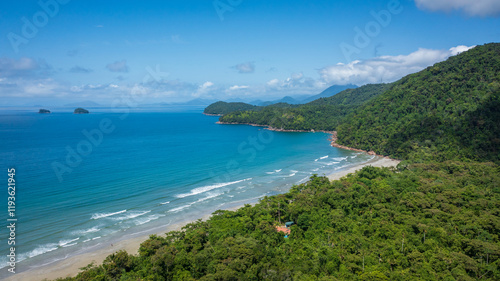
(299, 99)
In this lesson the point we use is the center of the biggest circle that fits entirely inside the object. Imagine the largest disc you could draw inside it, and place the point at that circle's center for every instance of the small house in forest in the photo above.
(286, 229)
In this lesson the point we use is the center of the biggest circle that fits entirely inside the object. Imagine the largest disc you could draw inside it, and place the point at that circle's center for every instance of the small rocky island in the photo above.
(81, 111)
(43, 111)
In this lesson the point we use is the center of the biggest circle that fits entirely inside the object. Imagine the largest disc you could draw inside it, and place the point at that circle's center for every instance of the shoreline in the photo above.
(378, 161)
(274, 129)
(70, 267)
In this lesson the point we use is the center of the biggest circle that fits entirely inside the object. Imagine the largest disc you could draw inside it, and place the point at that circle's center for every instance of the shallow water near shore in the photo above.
(84, 181)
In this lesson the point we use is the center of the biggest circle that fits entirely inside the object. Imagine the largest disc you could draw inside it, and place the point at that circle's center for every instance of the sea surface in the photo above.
(83, 181)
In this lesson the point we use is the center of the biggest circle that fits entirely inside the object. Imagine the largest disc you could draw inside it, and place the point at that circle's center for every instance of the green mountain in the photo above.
(321, 114)
(221, 107)
(330, 91)
(448, 111)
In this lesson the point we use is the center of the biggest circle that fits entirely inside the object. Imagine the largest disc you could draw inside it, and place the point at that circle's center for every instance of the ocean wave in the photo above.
(315, 170)
(65, 243)
(95, 238)
(321, 158)
(331, 163)
(175, 210)
(97, 216)
(206, 188)
(340, 158)
(293, 173)
(148, 219)
(83, 232)
(38, 251)
(303, 180)
(208, 197)
(131, 215)
(164, 203)
(273, 172)
(86, 240)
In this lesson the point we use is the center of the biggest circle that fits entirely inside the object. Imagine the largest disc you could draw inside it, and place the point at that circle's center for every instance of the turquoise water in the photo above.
(132, 175)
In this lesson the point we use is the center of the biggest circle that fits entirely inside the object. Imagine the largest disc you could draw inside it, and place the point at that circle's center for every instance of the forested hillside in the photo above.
(448, 111)
(430, 222)
(321, 114)
(221, 107)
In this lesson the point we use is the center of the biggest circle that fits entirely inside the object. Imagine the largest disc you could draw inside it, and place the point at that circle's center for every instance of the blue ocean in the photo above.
(94, 179)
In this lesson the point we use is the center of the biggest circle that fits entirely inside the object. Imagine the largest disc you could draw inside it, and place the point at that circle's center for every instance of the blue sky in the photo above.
(59, 51)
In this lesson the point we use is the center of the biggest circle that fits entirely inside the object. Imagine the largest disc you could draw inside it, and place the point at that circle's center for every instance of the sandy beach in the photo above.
(375, 162)
(71, 266)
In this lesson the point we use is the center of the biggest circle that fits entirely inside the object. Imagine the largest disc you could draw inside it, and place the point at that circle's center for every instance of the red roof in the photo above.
(283, 229)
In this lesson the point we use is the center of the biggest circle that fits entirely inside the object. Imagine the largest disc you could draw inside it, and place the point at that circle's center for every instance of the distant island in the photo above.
(81, 111)
(43, 111)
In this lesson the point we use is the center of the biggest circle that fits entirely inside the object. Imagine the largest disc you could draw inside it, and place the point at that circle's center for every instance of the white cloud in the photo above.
(480, 8)
(236, 87)
(273, 83)
(118, 66)
(385, 68)
(297, 83)
(247, 67)
(203, 89)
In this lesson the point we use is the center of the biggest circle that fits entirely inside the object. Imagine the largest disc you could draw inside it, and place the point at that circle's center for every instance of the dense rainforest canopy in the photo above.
(321, 114)
(221, 107)
(448, 111)
(434, 217)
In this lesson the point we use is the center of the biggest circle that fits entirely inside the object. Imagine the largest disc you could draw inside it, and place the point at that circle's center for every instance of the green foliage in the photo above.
(435, 221)
(321, 114)
(447, 111)
(221, 107)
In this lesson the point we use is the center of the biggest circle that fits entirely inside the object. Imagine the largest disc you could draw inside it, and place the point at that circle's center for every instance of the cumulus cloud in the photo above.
(297, 83)
(203, 89)
(385, 68)
(236, 87)
(79, 69)
(247, 67)
(482, 8)
(118, 66)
